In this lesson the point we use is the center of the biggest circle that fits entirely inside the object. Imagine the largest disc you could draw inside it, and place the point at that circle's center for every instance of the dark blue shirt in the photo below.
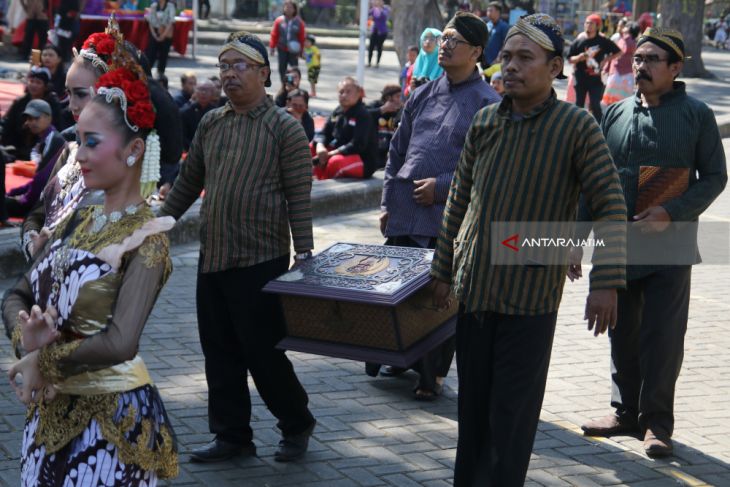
(496, 41)
(427, 144)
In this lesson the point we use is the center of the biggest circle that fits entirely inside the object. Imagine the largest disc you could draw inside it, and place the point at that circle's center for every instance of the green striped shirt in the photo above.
(257, 174)
(528, 169)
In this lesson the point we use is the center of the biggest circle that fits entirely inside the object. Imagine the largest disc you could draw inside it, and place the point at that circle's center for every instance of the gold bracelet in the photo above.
(50, 356)
(17, 340)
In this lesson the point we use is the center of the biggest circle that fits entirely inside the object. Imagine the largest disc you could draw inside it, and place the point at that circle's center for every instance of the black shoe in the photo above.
(220, 450)
(372, 369)
(392, 371)
(294, 447)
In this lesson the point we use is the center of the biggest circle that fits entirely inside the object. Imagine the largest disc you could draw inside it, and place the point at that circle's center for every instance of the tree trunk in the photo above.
(641, 6)
(410, 18)
(687, 17)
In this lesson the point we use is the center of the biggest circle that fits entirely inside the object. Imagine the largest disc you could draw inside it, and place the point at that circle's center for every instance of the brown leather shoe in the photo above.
(657, 443)
(609, 425)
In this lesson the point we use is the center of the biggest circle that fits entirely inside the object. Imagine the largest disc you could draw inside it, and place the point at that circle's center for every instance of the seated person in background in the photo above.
(218, 99)
(497, 83)
(386, 117)
(297, 106)
(14, 132)
(4, 222)
(292, 80)
(347, 147)
(193, 112)
(188, 81)
(51, 59)
(49, 143)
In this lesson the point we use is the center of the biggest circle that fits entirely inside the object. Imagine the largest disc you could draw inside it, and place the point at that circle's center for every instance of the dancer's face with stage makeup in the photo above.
(79, 83)
(104, 146)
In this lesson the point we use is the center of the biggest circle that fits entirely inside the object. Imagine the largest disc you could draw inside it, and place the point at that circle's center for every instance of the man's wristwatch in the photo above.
(300, 256)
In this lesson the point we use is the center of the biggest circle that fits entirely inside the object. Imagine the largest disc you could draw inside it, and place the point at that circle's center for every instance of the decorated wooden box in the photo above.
(363, 302)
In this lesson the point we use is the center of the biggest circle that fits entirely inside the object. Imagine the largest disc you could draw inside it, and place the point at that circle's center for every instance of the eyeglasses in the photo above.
(649, 59)
(450, 42)
(430, 39)
(239, 67)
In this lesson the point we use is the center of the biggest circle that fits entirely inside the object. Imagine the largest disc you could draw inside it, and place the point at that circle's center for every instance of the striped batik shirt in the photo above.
(530, 168)
(256, 170)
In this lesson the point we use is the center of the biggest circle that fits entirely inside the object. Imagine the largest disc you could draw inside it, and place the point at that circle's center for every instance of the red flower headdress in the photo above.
(99, 47)
(126, 81)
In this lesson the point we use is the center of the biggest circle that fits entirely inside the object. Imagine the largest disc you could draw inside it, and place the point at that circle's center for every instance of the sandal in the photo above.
(428, 394)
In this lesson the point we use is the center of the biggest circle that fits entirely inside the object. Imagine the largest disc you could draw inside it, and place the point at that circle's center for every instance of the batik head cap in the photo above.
(250, 46)
(668, 39)
(543, 31)
(471, 28)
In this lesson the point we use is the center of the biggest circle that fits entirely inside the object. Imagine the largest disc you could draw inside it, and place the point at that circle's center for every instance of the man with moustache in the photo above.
(666, 133)
(422, 159)
(253, 161)
(526, 159)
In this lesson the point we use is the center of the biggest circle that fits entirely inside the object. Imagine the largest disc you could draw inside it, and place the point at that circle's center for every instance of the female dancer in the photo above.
(65, 189)
(94, 416)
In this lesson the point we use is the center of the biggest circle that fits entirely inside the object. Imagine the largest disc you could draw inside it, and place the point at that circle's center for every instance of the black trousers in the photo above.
(34, 27)
(239, 326)
(502, 362)
(158, 52)
(647, 346)
(65, 44)
(286, 59)
(594, 90)
(204, 5)
(376, 42)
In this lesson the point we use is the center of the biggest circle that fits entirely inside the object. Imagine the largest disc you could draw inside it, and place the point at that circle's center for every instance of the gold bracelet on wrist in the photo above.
(50, 356)
(17, 340)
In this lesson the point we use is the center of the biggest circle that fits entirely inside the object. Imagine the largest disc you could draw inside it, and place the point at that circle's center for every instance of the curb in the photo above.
(264, 27)
(217, 38)
(328, 198)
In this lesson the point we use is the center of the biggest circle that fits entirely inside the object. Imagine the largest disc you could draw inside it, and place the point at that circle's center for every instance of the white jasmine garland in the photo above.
(151, 164)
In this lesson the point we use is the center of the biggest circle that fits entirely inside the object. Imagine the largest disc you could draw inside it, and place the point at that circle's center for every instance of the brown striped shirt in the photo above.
(528, 169)
(257, 174)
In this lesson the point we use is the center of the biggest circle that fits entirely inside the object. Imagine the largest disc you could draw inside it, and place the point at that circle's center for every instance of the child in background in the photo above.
(313, 58)
(497, 82)
(412, 55)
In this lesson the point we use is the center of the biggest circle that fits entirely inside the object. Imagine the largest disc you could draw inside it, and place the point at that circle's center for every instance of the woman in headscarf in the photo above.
(427, 62)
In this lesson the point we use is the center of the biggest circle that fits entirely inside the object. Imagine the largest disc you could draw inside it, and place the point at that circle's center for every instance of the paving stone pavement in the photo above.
(371, 433)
